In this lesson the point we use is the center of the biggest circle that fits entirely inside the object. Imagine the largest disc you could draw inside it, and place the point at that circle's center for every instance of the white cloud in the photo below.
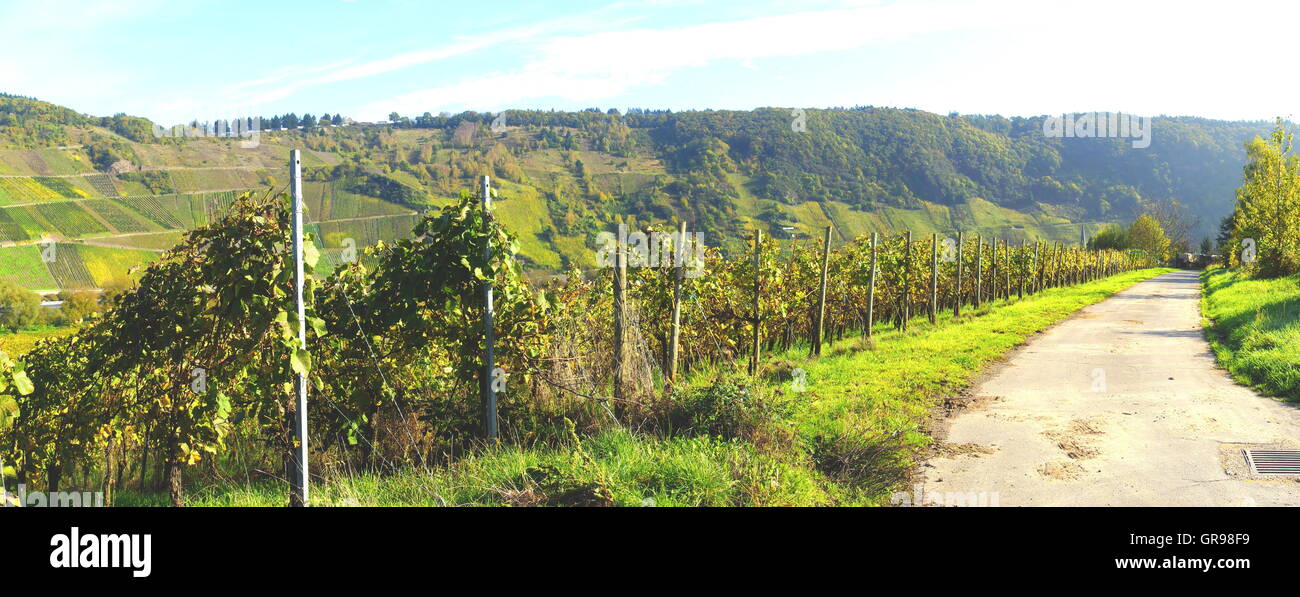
(603, 65)
(602, 17)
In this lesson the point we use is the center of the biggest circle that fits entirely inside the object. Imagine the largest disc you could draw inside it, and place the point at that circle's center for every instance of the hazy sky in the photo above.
(176, 60)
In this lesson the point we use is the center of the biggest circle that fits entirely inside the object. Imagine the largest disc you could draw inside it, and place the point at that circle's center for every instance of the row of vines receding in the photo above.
(190, 373)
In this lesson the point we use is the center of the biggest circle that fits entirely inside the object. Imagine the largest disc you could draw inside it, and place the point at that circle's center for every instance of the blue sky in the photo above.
(175, 61)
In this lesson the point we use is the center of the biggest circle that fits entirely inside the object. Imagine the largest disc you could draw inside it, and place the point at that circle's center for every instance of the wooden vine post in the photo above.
(620, 321)
(905, 296)
(871, 285)
(1038, 268)
(979, 270)
(679, 267)
(1023, 272)
(957, 291)
(1006, 275)
(758, 319)
(934, 279)
(994, 272)
(819, 330)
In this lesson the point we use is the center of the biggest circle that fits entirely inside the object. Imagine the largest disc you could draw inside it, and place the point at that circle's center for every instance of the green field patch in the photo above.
(65, 161)
(23, 266)
(522, 210)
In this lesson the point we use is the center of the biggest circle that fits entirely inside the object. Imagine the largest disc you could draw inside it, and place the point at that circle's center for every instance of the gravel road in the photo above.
(1121, 405)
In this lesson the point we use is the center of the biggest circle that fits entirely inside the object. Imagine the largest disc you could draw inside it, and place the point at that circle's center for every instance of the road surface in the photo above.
(1121, 405)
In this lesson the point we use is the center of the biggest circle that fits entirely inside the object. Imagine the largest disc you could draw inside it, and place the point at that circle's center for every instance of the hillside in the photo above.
(112, 195)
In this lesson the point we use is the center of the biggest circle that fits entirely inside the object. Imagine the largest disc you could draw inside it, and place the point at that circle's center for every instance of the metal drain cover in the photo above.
(1273, 462)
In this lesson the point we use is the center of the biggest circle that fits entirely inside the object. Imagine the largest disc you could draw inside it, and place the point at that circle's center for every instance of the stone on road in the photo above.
(1120, 405)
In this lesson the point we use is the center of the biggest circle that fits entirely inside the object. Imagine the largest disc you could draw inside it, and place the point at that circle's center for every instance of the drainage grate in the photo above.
(1273, 462)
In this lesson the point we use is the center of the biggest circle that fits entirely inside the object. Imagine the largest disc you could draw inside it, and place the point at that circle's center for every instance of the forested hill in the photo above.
(875, 157)
(564, 176)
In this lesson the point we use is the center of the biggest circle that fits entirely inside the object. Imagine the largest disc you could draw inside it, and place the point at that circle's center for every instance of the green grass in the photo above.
(613, 468)
(1254, 328)
(886, 389)
(23, 266)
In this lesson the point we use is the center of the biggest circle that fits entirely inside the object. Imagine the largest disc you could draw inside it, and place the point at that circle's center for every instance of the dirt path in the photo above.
(1121, 405)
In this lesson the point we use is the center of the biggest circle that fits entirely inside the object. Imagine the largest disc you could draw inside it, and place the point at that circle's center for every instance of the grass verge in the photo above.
(1254, 328)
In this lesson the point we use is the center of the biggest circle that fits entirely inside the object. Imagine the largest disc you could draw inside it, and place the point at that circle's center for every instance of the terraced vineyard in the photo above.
(341, 205)
(10, 231)
(162, 210)
(103, 184)
(27, 189)
(117, 217)
(366, 232)
(62, 187)
(216, 205)
(68, 269)
(185, 181)
(70, 219)
(26, 218)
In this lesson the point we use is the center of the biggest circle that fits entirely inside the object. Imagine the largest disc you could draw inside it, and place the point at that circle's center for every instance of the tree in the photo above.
(1176, 221)
(1268, 204)
(19, 307)
(78, 305)
(1112, 236)
(1148, 236)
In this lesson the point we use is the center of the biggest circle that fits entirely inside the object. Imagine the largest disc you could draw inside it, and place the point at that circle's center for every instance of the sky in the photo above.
(175, 61)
